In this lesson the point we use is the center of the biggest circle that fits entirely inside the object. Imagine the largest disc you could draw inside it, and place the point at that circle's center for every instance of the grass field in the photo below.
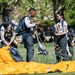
(50, 58)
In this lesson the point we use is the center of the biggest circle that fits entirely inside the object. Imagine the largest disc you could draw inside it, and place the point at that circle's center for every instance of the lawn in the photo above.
(50, 58)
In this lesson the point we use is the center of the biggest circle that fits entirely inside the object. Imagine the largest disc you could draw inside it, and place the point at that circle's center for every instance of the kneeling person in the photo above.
(7, 29)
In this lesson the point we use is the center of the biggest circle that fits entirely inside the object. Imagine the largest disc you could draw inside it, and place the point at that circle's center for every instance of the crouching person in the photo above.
(57, 53)
(7, 29)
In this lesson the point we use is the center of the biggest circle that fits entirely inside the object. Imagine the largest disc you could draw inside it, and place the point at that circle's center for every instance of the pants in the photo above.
(62, 43)
(28, 44)
(63, 51)
(15, 54)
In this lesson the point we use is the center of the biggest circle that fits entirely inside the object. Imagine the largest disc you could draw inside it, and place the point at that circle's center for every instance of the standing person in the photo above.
(27, 33)
(60, 34)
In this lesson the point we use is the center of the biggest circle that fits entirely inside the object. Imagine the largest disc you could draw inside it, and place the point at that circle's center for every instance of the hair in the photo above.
(60, 13)
(32, 9)
(40, 26)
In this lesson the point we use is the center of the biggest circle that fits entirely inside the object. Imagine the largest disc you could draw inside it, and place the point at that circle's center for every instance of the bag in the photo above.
(15, 54)
(21, 27)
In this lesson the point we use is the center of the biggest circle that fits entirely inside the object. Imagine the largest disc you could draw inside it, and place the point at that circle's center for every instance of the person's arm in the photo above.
(64, 29)
(13, 37)
(29, 23)
(60, 34)
(72, 42)
(14, 34)
(2, 35)
(67, 47)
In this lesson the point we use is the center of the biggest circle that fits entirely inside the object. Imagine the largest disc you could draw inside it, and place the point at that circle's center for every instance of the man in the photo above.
(27, 33)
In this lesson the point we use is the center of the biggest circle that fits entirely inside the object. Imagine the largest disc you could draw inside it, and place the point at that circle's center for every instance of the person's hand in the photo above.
(8, 44)
(37, 23)
(56, 34)
(48, 28)
(69, 54)
(72, 44)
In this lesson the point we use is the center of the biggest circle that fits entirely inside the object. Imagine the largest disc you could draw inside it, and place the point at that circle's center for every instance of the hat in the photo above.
(6, 23)
(6, 19)
(71, 31)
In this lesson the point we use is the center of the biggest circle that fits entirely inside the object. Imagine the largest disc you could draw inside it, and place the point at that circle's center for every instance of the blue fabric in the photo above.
(6, 19)
(28, 44)
(71, 31)
(15, 54)
(21, 28)
(52, 28)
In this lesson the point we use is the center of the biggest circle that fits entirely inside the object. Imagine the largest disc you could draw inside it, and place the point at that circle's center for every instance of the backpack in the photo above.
(15, 54)
(21, 27)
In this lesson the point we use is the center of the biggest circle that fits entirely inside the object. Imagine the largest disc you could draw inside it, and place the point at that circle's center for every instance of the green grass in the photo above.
(42, 58)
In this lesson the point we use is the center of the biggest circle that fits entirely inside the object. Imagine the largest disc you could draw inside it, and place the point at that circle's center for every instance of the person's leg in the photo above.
(15, 54)
(63, 43)
(28, 41)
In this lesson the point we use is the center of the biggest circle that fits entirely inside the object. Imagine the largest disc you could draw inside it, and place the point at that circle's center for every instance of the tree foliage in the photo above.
(44, 8)
(69, 6)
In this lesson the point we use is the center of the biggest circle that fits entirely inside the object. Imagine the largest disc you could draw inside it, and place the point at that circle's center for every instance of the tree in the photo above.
(7, 6)
(69, 6)
(57, 5)
(20, 8)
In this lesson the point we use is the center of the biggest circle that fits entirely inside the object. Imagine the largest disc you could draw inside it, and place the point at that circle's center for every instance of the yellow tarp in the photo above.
(9, 66)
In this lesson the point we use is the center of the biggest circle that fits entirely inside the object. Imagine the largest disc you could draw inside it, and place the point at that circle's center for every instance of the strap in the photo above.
(62, 24)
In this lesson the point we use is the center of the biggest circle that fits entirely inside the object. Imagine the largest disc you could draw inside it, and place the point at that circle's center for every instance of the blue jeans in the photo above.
(28, 44)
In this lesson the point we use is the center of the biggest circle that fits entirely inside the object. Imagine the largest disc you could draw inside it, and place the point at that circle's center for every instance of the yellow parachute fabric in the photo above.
(5, 55)
(9, 66)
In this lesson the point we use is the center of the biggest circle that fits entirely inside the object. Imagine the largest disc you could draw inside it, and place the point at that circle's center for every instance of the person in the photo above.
(28, 26)
(7, 29)
(52, 30)
(41, 34)
(71, 42)
(61, 28)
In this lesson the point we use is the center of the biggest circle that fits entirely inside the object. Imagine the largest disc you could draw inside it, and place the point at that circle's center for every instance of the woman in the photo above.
(60, 34)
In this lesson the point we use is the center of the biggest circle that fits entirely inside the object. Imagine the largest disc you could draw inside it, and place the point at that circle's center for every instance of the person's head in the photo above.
(6, 19)
(32, 12)
(40, 27)
(60, 15)
(71, 31)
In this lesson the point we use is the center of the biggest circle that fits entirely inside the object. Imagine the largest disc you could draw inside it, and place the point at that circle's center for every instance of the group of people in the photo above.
(64, 38)
(25, 28)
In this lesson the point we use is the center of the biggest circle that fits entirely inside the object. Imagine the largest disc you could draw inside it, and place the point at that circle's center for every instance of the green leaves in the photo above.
(70, 11)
